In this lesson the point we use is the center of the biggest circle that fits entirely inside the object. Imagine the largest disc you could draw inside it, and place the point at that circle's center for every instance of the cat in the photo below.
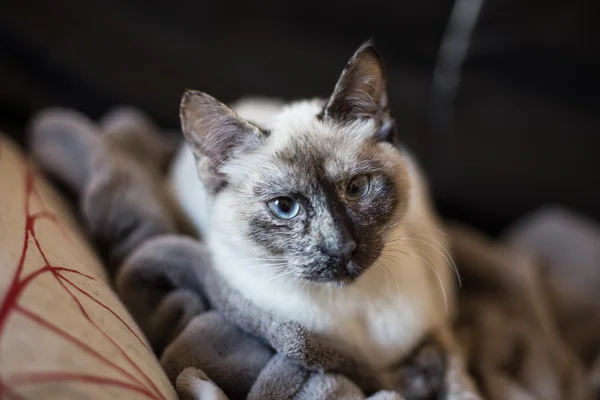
(315, 214)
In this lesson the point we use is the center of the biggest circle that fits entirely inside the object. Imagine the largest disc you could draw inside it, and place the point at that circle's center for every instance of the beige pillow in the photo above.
(63, 332)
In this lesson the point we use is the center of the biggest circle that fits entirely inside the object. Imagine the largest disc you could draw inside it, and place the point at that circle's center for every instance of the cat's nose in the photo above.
(343, 252)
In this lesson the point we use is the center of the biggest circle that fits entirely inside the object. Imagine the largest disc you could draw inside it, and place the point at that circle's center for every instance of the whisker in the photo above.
(447, 256)
(397, 284)
(389, 258)
(277, 276)
(392, 250)
(380, 231)
(438, 278)
(262, 269)
(427, 224)
(263, 259)
(385, 275)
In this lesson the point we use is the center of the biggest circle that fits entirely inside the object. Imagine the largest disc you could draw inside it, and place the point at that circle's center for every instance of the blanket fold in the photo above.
(121, 200)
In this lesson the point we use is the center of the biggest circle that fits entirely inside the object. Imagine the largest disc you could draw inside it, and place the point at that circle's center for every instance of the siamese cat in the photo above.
(314, 214)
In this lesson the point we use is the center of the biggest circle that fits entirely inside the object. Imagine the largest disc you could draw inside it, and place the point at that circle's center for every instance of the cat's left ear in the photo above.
(361, 91)
(216, 135)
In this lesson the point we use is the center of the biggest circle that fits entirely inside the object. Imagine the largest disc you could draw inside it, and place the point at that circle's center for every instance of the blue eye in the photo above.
(283, 207)
(358, 188)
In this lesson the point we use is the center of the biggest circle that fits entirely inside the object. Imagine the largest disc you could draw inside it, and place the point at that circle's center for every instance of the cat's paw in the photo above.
(294, 341)
(307, 349)
(421, 375)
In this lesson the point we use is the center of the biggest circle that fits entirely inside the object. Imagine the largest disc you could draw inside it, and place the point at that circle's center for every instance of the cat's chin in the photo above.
(339, 284)
(343, 277)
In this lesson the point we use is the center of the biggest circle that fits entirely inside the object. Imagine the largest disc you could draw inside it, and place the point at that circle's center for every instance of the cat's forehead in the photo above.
(334, 157)
(301, 122)
(301, 137)
(304, 151)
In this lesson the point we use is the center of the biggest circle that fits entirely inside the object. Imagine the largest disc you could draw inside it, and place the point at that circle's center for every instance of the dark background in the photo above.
(522, 131)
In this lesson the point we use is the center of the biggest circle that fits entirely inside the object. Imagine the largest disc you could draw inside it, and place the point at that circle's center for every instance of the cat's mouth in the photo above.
(334, 273)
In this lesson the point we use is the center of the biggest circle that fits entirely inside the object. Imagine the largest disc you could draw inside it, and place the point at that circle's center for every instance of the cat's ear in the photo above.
(215, 133)
(361, 91)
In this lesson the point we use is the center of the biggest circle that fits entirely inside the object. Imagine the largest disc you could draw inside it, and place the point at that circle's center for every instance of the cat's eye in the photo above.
(284, 207)
(358, 187)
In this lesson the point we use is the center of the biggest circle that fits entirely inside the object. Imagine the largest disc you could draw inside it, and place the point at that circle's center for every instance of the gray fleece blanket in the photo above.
(529, 310)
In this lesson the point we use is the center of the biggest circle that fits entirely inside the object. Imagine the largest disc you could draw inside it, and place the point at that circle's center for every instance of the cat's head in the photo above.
(317, 188)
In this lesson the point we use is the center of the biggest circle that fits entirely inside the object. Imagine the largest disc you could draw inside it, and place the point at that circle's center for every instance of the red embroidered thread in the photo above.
(141, 384)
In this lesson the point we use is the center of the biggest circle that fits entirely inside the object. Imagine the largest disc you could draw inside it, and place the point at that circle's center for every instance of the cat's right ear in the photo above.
(215, 133)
